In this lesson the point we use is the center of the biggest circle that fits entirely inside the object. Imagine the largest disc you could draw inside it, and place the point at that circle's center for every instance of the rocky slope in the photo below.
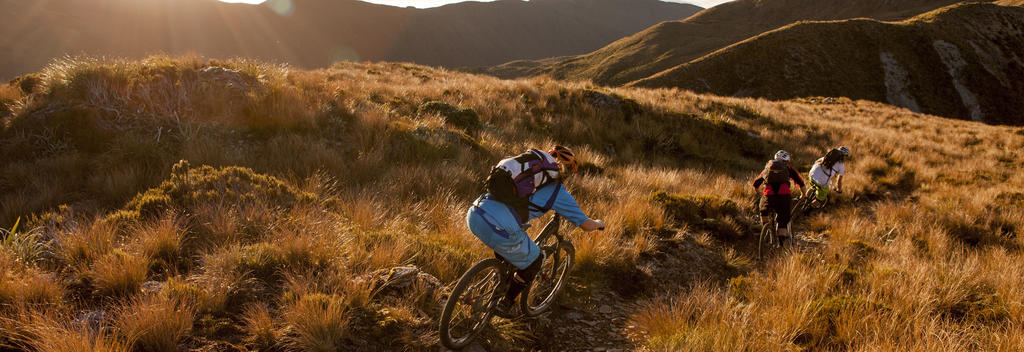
(964, 61)
(314, 33)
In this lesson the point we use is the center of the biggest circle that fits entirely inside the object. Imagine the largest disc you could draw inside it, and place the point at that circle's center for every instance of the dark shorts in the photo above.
(780, 204)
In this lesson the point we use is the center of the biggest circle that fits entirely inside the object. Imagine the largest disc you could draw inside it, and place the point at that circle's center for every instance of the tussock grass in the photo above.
(81, 245)
(317, 322)
(165, 243)
(118, 274)
(260, 327)
(52, 334)
(21, 287)
(299, 185)
(155, 323)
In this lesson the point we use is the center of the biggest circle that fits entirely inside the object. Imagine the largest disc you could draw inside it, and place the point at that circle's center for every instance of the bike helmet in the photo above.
(565, 157)
(782, 155)
(844, 150)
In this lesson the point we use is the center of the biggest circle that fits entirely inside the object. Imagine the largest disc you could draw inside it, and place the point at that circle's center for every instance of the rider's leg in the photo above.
(514, 246)
(820, 192)
(522, 279)
(782, 211)
(764, 209)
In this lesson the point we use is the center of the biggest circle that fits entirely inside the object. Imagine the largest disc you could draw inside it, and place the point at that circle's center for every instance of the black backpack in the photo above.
(776, 171)
(831, 158)
(515, 188)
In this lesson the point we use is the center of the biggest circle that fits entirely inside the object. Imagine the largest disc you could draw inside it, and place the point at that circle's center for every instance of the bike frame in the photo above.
(550, 229)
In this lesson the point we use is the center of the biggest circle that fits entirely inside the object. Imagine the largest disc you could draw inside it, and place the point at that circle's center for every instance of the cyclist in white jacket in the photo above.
(824, 169)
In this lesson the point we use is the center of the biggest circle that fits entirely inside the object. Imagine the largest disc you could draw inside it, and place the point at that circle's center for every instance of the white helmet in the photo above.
(844, 150)
(782, 155)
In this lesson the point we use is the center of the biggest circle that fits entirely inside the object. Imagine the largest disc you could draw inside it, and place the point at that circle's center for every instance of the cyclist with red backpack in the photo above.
(831, 165)
(520, 189)
(777, 195)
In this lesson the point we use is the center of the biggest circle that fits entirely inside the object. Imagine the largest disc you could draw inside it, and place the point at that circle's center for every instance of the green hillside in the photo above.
(190, 204)
(958, 62)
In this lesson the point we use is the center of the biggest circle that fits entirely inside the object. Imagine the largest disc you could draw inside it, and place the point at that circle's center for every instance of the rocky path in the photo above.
(598, 323)
(598, 320)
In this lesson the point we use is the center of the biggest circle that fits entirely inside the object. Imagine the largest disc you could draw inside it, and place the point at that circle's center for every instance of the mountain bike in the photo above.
(806, 203)
(472, 303)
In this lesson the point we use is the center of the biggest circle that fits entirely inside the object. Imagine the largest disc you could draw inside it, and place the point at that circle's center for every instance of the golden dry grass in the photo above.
(155, 323)
(319, 178)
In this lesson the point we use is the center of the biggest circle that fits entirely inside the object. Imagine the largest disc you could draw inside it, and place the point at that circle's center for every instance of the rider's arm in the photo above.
(839, 184)
(793, 174)
(566, 206)
(759, 180)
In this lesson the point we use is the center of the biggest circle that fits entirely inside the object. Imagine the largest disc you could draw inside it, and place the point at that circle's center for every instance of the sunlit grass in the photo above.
(319, 179)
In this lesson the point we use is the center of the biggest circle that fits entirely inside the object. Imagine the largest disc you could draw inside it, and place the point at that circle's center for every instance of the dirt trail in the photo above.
(598, 320)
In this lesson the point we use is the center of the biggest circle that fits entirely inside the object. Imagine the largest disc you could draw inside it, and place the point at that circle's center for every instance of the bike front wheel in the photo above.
(544, 289)
(799, 208)
(470, 307)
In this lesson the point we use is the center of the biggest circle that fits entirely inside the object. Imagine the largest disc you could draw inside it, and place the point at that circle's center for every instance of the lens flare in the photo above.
(281, 7)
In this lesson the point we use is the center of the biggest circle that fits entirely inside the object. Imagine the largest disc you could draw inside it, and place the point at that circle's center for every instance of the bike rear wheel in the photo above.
(544, 289)
(760, 241)
(470, 307)
(767, 239)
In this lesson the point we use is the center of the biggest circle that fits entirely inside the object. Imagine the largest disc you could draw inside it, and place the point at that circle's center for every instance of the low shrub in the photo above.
(189, 187)
(692, 209)
(971, 302)
(611, 101)
(991, 229)
(859, 251)
(466, 119)
(828, 313)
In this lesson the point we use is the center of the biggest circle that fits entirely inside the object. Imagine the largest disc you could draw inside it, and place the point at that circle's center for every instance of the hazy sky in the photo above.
(434, 3)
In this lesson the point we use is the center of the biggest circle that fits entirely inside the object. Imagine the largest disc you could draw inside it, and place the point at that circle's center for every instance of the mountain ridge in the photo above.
(315, 33)
(671, 43)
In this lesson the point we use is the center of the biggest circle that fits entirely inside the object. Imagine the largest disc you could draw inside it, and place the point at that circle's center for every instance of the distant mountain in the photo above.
(314, 33)
(964, 61)
(669, 44)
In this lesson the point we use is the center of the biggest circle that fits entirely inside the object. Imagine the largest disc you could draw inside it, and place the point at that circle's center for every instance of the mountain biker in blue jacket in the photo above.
(501, 226)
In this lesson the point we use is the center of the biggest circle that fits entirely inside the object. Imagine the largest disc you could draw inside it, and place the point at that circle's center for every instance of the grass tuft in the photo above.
(118, 274)
(155, 323)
